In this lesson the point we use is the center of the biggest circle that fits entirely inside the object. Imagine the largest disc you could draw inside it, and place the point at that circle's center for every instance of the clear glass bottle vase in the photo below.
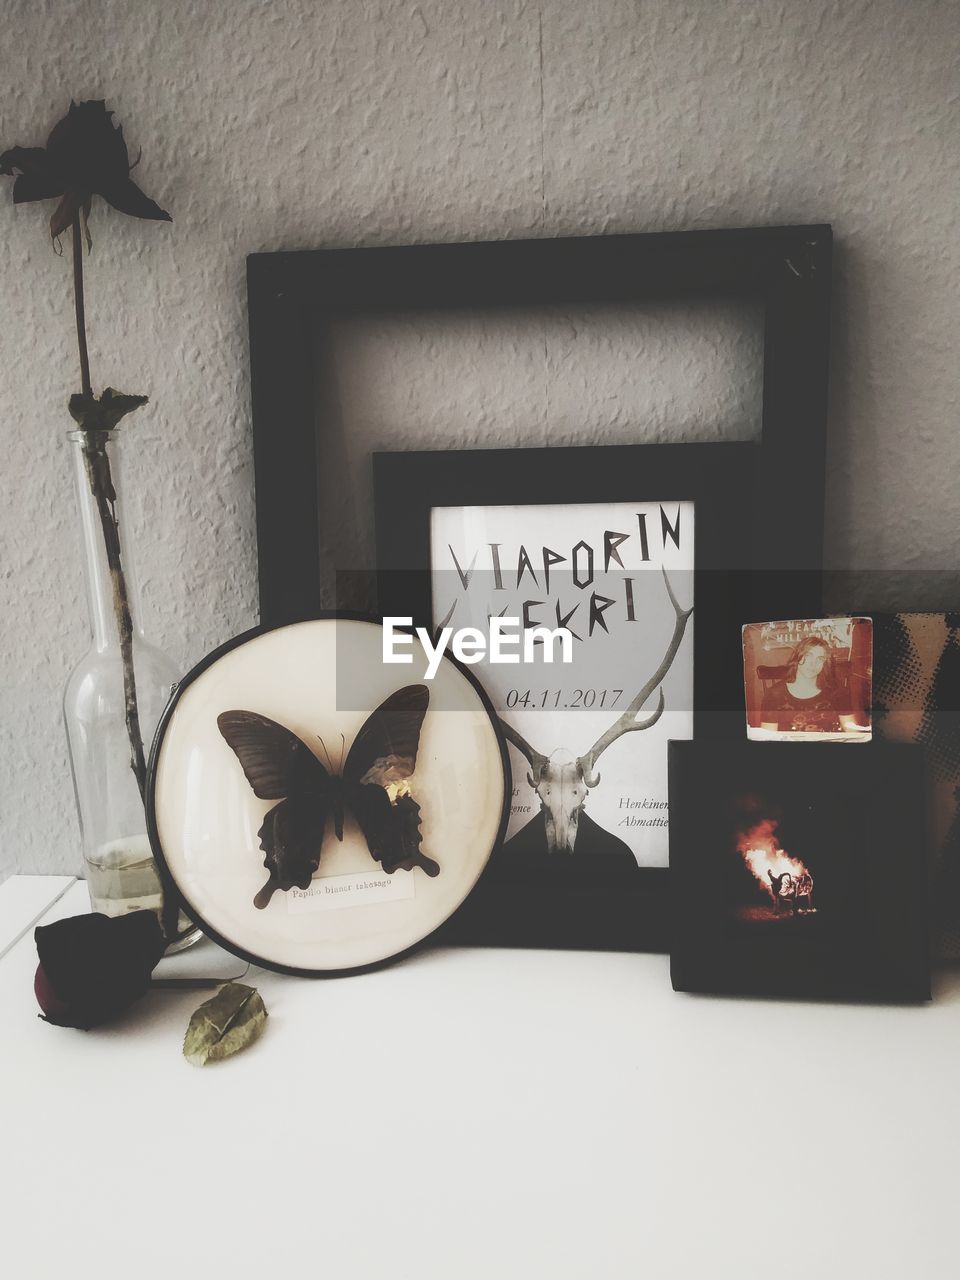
(113, 701)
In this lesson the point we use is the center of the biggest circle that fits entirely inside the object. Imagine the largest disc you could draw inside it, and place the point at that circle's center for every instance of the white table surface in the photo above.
(481, 1113)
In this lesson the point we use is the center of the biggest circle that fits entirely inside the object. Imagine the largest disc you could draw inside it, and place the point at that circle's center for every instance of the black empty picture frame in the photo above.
(294, 296)
(850, 816)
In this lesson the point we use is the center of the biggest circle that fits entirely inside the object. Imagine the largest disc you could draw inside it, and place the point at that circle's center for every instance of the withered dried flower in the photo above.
(85, 156)
(93, 967)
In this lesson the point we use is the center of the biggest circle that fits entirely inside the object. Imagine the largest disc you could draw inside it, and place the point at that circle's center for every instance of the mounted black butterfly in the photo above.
(279, 766)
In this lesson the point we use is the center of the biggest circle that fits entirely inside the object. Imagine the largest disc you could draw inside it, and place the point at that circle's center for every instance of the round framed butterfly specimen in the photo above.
(317, 808)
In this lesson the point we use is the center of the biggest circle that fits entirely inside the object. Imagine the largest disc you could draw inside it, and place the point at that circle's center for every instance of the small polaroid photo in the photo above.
(809, 680)
(798, 873)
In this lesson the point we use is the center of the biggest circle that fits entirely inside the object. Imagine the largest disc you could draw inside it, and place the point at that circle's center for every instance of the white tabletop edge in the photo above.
(24, 900)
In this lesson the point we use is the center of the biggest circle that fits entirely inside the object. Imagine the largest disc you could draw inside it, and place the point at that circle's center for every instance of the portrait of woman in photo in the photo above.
(809, 679)
(808, 699)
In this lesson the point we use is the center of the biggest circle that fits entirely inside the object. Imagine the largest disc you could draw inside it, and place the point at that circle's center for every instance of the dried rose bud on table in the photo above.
(92, 967)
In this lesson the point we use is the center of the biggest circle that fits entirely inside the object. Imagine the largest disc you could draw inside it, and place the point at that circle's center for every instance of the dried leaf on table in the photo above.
(223, 1025)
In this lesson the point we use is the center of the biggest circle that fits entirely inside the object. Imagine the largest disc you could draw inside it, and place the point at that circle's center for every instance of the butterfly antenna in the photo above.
(325, 752)
(343, 744)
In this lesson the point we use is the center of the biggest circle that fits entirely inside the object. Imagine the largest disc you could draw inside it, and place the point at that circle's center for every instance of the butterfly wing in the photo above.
(274, 760)
(291, 838)
(385, 752)
(279, 766)
(385, 749)
(391, 829)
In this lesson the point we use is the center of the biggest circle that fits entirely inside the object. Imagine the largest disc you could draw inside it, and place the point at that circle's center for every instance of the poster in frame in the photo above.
(608, 886)
(297, 298)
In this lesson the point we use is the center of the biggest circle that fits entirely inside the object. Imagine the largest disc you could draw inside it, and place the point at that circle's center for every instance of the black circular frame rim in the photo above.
(154, 836)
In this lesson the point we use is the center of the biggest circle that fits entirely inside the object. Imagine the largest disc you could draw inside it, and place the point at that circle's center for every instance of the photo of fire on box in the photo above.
(797, 870)
(780, 889)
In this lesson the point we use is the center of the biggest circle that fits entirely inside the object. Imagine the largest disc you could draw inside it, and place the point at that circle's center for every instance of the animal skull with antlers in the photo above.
(562, 780)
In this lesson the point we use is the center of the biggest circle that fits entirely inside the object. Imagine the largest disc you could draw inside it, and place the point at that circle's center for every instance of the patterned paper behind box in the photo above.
(917, 699)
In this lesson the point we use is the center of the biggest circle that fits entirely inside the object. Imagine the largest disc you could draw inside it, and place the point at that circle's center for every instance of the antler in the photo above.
(536, 760)
(628, 722)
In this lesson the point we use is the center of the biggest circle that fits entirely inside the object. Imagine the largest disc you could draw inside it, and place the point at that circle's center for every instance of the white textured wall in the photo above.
(305, 123)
